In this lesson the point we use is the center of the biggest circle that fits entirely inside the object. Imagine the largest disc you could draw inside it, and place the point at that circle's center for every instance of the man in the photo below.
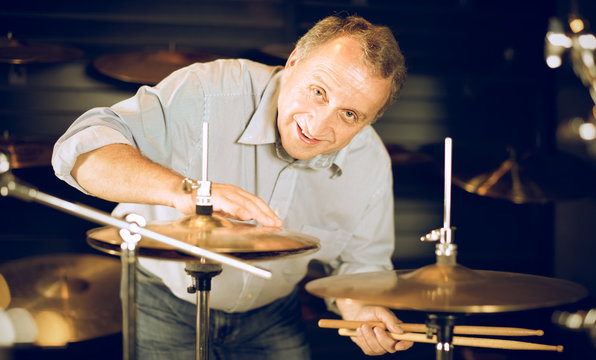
(289, 147)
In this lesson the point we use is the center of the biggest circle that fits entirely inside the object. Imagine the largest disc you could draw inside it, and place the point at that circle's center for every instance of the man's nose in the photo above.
(321, 123)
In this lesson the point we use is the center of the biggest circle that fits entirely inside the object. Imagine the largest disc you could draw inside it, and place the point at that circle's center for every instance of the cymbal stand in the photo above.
(11, 186)
(446, 253)
(128, 285)
(202, 272)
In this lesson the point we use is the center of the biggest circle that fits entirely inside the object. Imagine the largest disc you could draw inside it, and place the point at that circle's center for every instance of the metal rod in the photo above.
(204, 175)
(447, 210)
(128, 285)
(203, 323)
(446, 232)
(13, 188)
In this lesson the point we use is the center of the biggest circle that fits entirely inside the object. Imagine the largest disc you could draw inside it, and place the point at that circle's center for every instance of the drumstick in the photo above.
(421, 328)
(468, 341)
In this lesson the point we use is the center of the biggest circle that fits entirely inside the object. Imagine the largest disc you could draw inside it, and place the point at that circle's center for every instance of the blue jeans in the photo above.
(166, 328)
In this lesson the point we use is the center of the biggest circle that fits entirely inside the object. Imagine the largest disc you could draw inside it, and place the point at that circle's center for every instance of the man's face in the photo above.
(327, 98)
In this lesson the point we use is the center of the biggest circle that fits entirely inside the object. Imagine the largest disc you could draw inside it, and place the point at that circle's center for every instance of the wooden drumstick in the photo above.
(468, 341)
(421, 328)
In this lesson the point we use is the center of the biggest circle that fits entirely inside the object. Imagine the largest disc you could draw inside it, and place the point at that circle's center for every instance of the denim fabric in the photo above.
(166, 328)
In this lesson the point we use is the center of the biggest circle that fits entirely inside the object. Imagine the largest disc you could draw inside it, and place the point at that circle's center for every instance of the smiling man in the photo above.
(289, 146)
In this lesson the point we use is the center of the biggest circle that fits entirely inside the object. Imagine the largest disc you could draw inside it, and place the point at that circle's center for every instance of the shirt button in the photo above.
(249, 295)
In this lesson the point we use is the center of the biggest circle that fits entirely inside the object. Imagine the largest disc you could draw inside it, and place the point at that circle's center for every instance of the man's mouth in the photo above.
(305, 134)
(305, 137)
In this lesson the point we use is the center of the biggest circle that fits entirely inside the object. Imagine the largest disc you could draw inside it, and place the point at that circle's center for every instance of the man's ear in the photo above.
(292, 59)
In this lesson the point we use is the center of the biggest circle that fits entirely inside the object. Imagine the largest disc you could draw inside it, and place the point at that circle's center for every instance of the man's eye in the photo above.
(317, 92)
(350, 115)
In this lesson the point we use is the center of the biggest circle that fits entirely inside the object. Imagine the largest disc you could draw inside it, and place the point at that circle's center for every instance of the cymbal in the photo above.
(402, 156)
(72, 297)
(25, 52)
(27, 151)
(147, 67)
(530, 178)
(213, 233)
(450, 289)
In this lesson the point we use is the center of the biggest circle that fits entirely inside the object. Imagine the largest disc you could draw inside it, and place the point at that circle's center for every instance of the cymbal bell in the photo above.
(148, 67)
(449, 289)
(25, 52)
(72, 297)
(214, 233)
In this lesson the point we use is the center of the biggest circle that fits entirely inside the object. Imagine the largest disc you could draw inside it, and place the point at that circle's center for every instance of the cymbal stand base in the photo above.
(202, 273)
(442, 326)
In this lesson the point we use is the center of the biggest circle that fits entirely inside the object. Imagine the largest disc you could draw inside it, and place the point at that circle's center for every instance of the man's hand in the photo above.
(374, 341)
(120, 173)
(235, 203)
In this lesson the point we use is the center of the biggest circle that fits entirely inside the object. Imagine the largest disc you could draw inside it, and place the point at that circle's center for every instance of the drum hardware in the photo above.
(212, 232)
(446, 290)
(10, 186)
(520, 176)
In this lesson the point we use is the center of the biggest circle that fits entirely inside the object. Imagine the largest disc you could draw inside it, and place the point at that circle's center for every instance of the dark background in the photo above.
(476, 73)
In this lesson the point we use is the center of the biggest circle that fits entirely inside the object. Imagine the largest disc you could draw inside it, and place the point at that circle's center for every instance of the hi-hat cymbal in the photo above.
(450, 289)
(24, 52)
(28, 151)
(147, 67)
(213, 233)
(72, 297)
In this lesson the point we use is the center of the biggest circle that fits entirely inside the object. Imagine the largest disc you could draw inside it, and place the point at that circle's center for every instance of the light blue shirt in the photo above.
(345, 199)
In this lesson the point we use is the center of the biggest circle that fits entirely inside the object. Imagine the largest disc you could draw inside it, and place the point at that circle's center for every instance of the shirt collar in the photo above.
(262, 129)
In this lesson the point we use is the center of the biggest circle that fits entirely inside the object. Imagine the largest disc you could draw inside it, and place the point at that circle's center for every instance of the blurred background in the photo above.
(524, 153)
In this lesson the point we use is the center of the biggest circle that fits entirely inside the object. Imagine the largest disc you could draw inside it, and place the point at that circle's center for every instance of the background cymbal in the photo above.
(450, 289)
(29, 151)
(531, 178)
(213, 233)
(25, 52)
(73, 297)
(148, 67)
(519, 176)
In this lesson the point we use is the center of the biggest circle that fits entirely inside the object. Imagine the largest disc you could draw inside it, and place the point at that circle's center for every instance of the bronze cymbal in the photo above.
(148, 67)
(529, 178)
(402, 156)
(27, 151)
(450, 289)
(213, 233)
(72, 297)
(25, 52)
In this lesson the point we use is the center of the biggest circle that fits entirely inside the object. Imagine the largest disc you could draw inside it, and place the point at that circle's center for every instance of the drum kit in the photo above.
(57, 291)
